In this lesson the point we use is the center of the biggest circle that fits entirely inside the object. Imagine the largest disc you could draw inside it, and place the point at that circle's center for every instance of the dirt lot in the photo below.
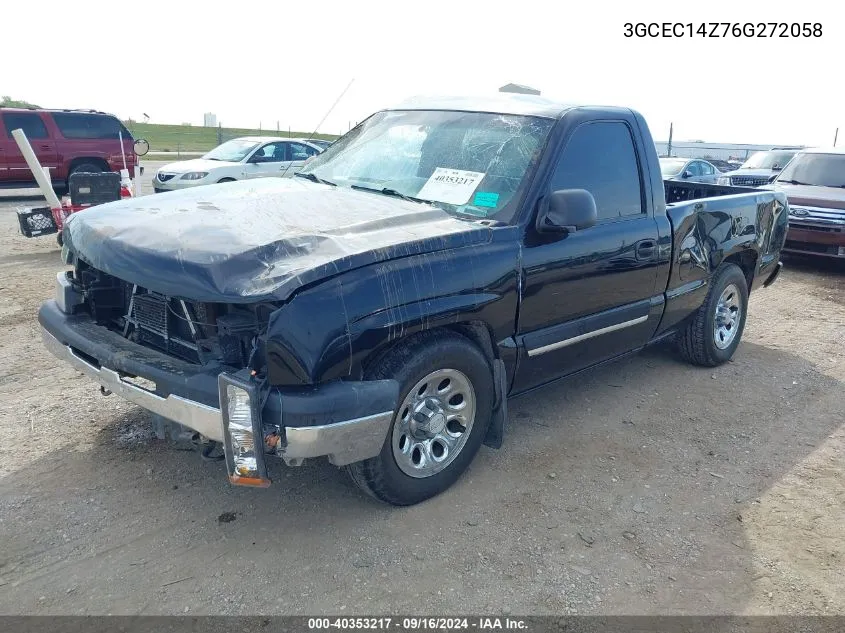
(640, 488)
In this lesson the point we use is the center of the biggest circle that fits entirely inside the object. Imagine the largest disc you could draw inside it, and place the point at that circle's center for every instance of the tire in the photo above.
(90, 168)
(225, 180)
(59, 239)
(422, 465)
(701, 343)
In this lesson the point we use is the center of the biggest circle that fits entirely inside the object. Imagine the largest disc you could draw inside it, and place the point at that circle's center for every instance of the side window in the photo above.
(600, 158)
(270, 153)
(694, 168)
(298, 151)
(31, 124)
(81, 125)
(706, 169)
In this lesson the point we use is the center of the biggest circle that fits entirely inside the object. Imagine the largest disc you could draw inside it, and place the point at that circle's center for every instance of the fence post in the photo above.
(219, 134)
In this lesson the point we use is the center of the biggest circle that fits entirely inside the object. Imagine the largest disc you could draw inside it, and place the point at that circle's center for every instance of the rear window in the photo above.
(92, 126)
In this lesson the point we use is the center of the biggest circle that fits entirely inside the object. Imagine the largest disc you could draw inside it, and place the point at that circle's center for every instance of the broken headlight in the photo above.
(243, 437)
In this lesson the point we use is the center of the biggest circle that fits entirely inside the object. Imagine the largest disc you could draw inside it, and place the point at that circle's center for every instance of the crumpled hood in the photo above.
(256, 240)
(195, 164)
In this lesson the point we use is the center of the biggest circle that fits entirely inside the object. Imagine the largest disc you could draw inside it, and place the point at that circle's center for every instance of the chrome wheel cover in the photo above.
(433, 423)
(728, 316)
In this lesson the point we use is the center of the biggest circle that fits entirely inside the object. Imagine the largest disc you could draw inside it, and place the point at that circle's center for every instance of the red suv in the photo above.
(67, 141)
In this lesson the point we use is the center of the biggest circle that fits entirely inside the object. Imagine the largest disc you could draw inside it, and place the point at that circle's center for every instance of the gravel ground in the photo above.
(644, 487)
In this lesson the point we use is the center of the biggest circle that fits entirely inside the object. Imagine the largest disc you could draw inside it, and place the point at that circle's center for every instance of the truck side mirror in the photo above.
(567, 211)
(776, 167)
(686, 174)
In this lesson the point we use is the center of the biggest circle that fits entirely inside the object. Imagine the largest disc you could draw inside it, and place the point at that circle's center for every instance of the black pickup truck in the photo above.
(381, 307)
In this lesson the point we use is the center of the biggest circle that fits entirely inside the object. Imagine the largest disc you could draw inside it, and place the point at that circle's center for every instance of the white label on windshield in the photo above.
(452, 186)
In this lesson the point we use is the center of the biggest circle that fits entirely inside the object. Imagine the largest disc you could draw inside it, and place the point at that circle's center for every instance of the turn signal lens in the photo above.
(244, 456)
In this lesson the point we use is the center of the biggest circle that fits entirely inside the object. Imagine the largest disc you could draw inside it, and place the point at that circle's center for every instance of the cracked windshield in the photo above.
(466, 163)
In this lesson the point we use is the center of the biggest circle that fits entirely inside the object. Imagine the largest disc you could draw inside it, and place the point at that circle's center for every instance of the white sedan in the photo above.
(238, 159)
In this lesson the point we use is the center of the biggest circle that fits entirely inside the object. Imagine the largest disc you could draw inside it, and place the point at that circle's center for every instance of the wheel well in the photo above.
(477, 332)
(747, 261)
(78, 161)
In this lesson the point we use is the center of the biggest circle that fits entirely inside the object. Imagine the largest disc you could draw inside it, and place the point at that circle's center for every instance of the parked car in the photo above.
(759, 169)
(690, 170)
(814, 183)
(321, 143)
(238, 159)
(382, 307)
(722, 165)
(66, 141)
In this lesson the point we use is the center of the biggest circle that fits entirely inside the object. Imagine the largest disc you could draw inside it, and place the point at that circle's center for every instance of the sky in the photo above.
(257, 62)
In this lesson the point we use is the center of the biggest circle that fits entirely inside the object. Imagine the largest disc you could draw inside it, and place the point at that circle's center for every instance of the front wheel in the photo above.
(713, 334)
(446, 402)
(225, 180)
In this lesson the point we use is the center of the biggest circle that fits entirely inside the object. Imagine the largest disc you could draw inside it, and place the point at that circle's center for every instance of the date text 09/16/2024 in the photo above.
(418, 623)
(723, 29)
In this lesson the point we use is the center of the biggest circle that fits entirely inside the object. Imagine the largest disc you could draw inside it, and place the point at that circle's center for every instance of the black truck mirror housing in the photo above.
(567, 211)
(686, 174)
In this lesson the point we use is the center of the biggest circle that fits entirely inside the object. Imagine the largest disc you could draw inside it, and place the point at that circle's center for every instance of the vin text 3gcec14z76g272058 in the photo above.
(381, 307)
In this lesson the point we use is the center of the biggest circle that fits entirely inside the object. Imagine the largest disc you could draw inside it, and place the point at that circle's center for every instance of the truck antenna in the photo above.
(325, 116)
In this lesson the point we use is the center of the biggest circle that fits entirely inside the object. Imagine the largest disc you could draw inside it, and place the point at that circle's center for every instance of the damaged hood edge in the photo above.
(259, 240)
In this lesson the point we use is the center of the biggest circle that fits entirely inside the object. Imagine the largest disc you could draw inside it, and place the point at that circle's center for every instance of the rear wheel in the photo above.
(713, 334)
(86, 167)
(446, 402)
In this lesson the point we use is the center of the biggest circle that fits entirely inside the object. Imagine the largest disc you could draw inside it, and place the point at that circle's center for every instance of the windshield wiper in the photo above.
(794, 182)
(387, 191)
(314, 178)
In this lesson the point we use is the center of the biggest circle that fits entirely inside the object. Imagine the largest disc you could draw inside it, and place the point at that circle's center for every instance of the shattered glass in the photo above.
(401, 150)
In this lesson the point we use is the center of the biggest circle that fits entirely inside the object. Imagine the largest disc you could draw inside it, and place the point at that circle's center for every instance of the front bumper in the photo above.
(816, 231)
(176, 183)
(347, 421)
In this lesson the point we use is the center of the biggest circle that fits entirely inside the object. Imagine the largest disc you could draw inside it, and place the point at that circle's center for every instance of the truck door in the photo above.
(39, 138)
(591, 294)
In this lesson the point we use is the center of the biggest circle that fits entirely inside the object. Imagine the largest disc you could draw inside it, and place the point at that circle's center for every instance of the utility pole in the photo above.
(835, 136)
(669, 145)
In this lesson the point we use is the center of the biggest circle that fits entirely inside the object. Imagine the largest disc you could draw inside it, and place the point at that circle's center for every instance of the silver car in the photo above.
(690, 170)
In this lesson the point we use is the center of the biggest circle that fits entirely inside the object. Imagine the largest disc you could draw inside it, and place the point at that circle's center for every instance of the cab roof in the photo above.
(823, 150)
(501, 103)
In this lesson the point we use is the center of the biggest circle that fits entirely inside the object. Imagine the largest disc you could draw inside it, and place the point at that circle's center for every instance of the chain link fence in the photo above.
(186, 141)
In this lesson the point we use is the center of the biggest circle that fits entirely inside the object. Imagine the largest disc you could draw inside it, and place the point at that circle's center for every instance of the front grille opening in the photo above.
(195, 332)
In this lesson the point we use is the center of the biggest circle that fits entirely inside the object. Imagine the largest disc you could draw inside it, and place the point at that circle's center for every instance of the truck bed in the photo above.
(678, 191)
(714, 223)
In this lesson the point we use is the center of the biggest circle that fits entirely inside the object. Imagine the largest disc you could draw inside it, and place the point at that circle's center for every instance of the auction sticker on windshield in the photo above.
(452, 186)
